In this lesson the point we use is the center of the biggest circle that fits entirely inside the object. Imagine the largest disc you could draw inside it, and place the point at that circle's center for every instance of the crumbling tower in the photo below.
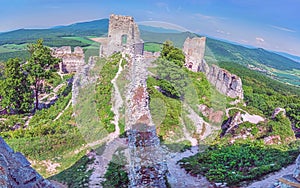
(123, 34)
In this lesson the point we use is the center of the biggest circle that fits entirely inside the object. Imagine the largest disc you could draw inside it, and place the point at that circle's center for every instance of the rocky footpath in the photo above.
(16, 172)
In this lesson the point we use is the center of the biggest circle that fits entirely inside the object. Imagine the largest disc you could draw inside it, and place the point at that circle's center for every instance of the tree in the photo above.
(15, 88)
(39, 66)
(172, 53)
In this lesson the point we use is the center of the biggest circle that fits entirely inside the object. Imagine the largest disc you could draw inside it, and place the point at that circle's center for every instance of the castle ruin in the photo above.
(194, 49)
(123, 34)
(70, 61)
(225, 82)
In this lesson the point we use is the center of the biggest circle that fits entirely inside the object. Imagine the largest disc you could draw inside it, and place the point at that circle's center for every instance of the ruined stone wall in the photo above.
(70, 61)
(123, 32)
(147, 165)
(194, 50)
(225, 82)
(15, 170)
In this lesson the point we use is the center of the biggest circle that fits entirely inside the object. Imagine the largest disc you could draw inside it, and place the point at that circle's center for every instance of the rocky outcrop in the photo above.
(225, 82)
(15, 170)
(70, 61)
(231, 123)
(123, 33)
(277, 111)
(212, 115)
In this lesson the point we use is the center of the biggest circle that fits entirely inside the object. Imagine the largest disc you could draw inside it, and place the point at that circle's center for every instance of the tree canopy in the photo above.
(39, 66)
(15, 88)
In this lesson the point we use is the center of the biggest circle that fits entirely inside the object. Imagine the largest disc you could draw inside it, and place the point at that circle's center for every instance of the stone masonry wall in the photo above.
(123, 32)
(194, 50)
(15, 170)
(70, 61)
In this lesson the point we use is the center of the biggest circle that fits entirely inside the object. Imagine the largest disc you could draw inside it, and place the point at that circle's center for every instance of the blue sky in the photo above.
(270, 24)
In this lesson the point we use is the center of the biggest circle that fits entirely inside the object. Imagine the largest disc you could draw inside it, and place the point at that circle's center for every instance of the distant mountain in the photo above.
(219, 50)
(223, 51)
(53, 36)
(292, 57)
(157, 29)
(177, 38)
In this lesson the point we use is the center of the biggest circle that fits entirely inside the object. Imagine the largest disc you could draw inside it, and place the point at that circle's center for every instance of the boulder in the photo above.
(277, 111)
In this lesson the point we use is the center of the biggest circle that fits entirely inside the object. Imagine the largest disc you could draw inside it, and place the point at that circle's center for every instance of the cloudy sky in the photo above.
(270, 24)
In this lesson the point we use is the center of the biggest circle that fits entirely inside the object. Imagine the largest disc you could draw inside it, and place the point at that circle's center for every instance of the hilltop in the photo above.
(127, 116)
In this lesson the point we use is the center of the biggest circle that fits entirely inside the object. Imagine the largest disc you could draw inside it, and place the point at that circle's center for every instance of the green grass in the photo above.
(152, 47)
(116, 176)
(84, 40)
(76, 175)
(236, 163)
(104, 90)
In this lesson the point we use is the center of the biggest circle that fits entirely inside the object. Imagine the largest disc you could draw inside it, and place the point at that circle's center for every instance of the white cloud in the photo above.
(260, 40)
(223, 32)
(166, 25)
(202, 16)
(282, 28)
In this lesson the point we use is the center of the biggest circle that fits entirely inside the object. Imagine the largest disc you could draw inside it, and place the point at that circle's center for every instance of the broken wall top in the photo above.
(15, 170)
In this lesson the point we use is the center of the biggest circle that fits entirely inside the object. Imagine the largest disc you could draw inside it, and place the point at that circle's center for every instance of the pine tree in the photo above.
(39, 67)
(15, 88)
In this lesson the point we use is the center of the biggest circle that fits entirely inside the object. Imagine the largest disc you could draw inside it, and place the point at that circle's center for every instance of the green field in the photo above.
(84, 40)
(152, 47)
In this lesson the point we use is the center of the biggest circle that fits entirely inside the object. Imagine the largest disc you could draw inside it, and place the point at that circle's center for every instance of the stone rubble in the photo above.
(16, 172)
(277, 111)
(147, 159)
(296, 173)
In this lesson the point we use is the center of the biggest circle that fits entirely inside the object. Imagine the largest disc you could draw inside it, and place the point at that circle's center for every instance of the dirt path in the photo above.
(188, 136)
(101, 162)
(178, 178)
(61, 113)
(271, 179)
(246, 117)
(113, 142)
(117, 98)
(202, 127)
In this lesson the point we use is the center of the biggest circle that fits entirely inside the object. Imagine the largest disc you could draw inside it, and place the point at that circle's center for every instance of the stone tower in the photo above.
(123, 33)
(194, 50)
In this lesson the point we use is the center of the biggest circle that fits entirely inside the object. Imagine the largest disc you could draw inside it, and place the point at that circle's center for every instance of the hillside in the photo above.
(223, 51)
